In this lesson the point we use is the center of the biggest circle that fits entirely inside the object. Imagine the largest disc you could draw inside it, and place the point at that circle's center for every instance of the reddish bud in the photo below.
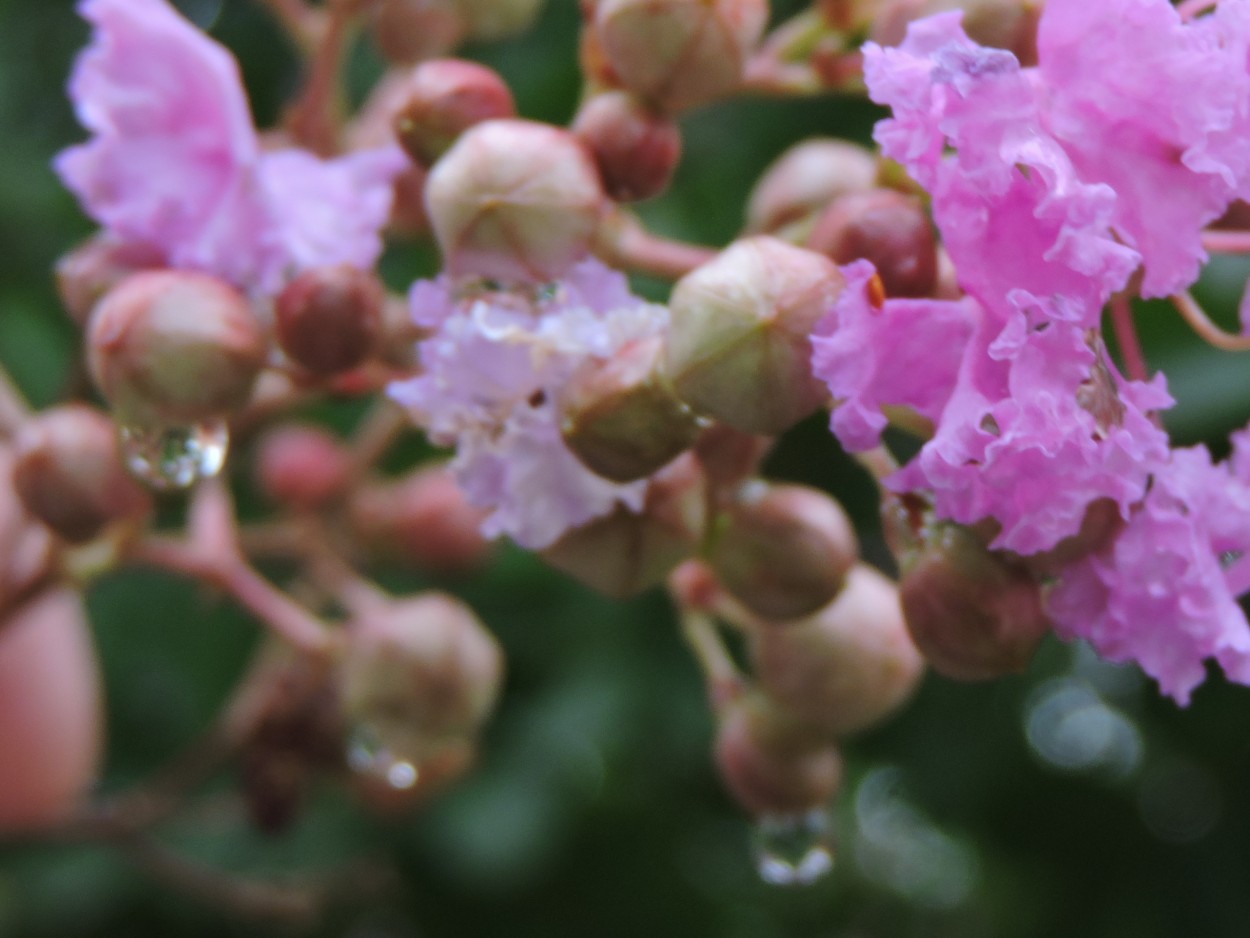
(69, 473)
(636, 149)
(25, 545)
(514, 200)
(304, 467)
(890, 229)
(805, 179)
(328, 318)
(729, 456)
(174, 347)
(412, 30)
(1003, 24)
(443, 98)
(93, 268)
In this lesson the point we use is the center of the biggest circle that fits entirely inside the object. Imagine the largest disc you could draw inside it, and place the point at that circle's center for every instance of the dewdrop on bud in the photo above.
(679, 53)
(739, 347)
(93, 268)
(635, 148)
(888, 228)
(628, 552)
(846, 667)
(489, 20)
(973, 614)
(514, 200)
(412, 30)
(621, 419)
(1002, 24)
(69, 474)
(303, 467)
(443, 98)
(328, 319)
(784, 550)
(806, 178)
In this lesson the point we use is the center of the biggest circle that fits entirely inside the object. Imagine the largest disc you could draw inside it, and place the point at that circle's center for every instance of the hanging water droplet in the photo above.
(168, 458)
(368, 754)
(794, 849)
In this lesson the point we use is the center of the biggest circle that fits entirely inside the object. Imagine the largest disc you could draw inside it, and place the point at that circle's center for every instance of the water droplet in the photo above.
(168, 458)
(794, 849)
(368, 754)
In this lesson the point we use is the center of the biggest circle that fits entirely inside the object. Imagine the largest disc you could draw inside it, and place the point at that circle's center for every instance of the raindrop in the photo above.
(168, 458)
(368, 754)
(794, 849)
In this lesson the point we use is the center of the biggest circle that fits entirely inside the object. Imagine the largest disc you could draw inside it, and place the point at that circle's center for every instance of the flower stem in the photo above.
(724, 681)
(1126, 335)
(1226, 242)
(626, 244)
(1208, 331)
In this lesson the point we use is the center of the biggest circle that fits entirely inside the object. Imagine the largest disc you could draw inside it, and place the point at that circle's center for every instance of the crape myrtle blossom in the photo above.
(175, 163)
(492, 372)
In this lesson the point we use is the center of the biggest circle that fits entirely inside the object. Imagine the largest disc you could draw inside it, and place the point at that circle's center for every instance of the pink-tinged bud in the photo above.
(423, 521)
(490, 20)
(25, 545)
(766, 769)
(626, 552)
(739, 347)
(973, 614)
(303, 467)
(328, 319)
(890, 229)
(51, 726)
(441, 100)
(635, 148)
(849, 666)
(680, 53)
(514, 200)
(93, 268)
(69, 474)
(413, 30)
(174, 347)
(621, 418)
(1100, 525)
(1003, 24)
(784, 550)
(806, 178)
(729, 456)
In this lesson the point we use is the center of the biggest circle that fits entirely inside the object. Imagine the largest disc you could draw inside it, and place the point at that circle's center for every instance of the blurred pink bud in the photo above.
(328, 318)
(739, 347)
(635, 148)
(304, 467)
(51, 725)
(69, 474)
(806, 178)
(489, 20)
(784, 551)
(888, 228)
(443, 98)
(1003, 24)
(849, 666)
(514, 200)
(729, 456)
(25, 545)
(974, 614)
(412, 30)
(97, 265)
(174, 347)
(680, 53)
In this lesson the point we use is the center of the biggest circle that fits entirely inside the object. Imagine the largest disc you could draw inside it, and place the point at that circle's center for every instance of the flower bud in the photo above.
(784, 550)
(69, 473)
(422, 520)
(636, 149)
(627, 552)
(328, 318)
(680, 53)
(890, 229)
(304, 467)
(489, 20)
(729, 456)
(25, 545)
(1003, 24)
(174, 347)
(442, 99)
(765, 770)
(621, 419)
(845, 668)
(51, 726)
(514, 200)
(412, 30)
(93, 268)
(805, 179)
(973, 614)
(739, 347)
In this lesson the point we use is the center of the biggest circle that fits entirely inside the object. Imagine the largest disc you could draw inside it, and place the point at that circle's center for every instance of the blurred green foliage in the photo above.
(595, 810)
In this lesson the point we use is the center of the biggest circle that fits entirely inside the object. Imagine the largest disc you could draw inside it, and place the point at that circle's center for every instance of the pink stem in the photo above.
(630, 246)
(1226, 242)
(1191, 8)
(1126, 335)
(1208, 331)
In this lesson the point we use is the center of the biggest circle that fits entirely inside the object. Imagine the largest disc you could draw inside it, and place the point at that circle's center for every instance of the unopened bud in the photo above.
(304, 467)
(69, 474)
(442, 99)
(764, 768)
(890, 229)
(489, 20)
(328, 318)
(740, 347)
(785, 550)
(628, 552)
(805, 179)
(1003, 24)
(514, 200)
(412, 30)
(174, 347)
(620, 417)
(845, 668)
(635, 148)
(729, 456)
(973, 614)
(423, 521)
(680, 53)
(93, 268)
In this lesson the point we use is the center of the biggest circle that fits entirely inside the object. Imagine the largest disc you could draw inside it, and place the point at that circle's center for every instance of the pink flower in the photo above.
(175, 163)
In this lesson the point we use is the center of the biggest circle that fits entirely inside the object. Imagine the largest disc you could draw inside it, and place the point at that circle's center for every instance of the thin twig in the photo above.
(724, 681)
(1226, 242)
(626, 244)
(1126, 336)
(1192, 312)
